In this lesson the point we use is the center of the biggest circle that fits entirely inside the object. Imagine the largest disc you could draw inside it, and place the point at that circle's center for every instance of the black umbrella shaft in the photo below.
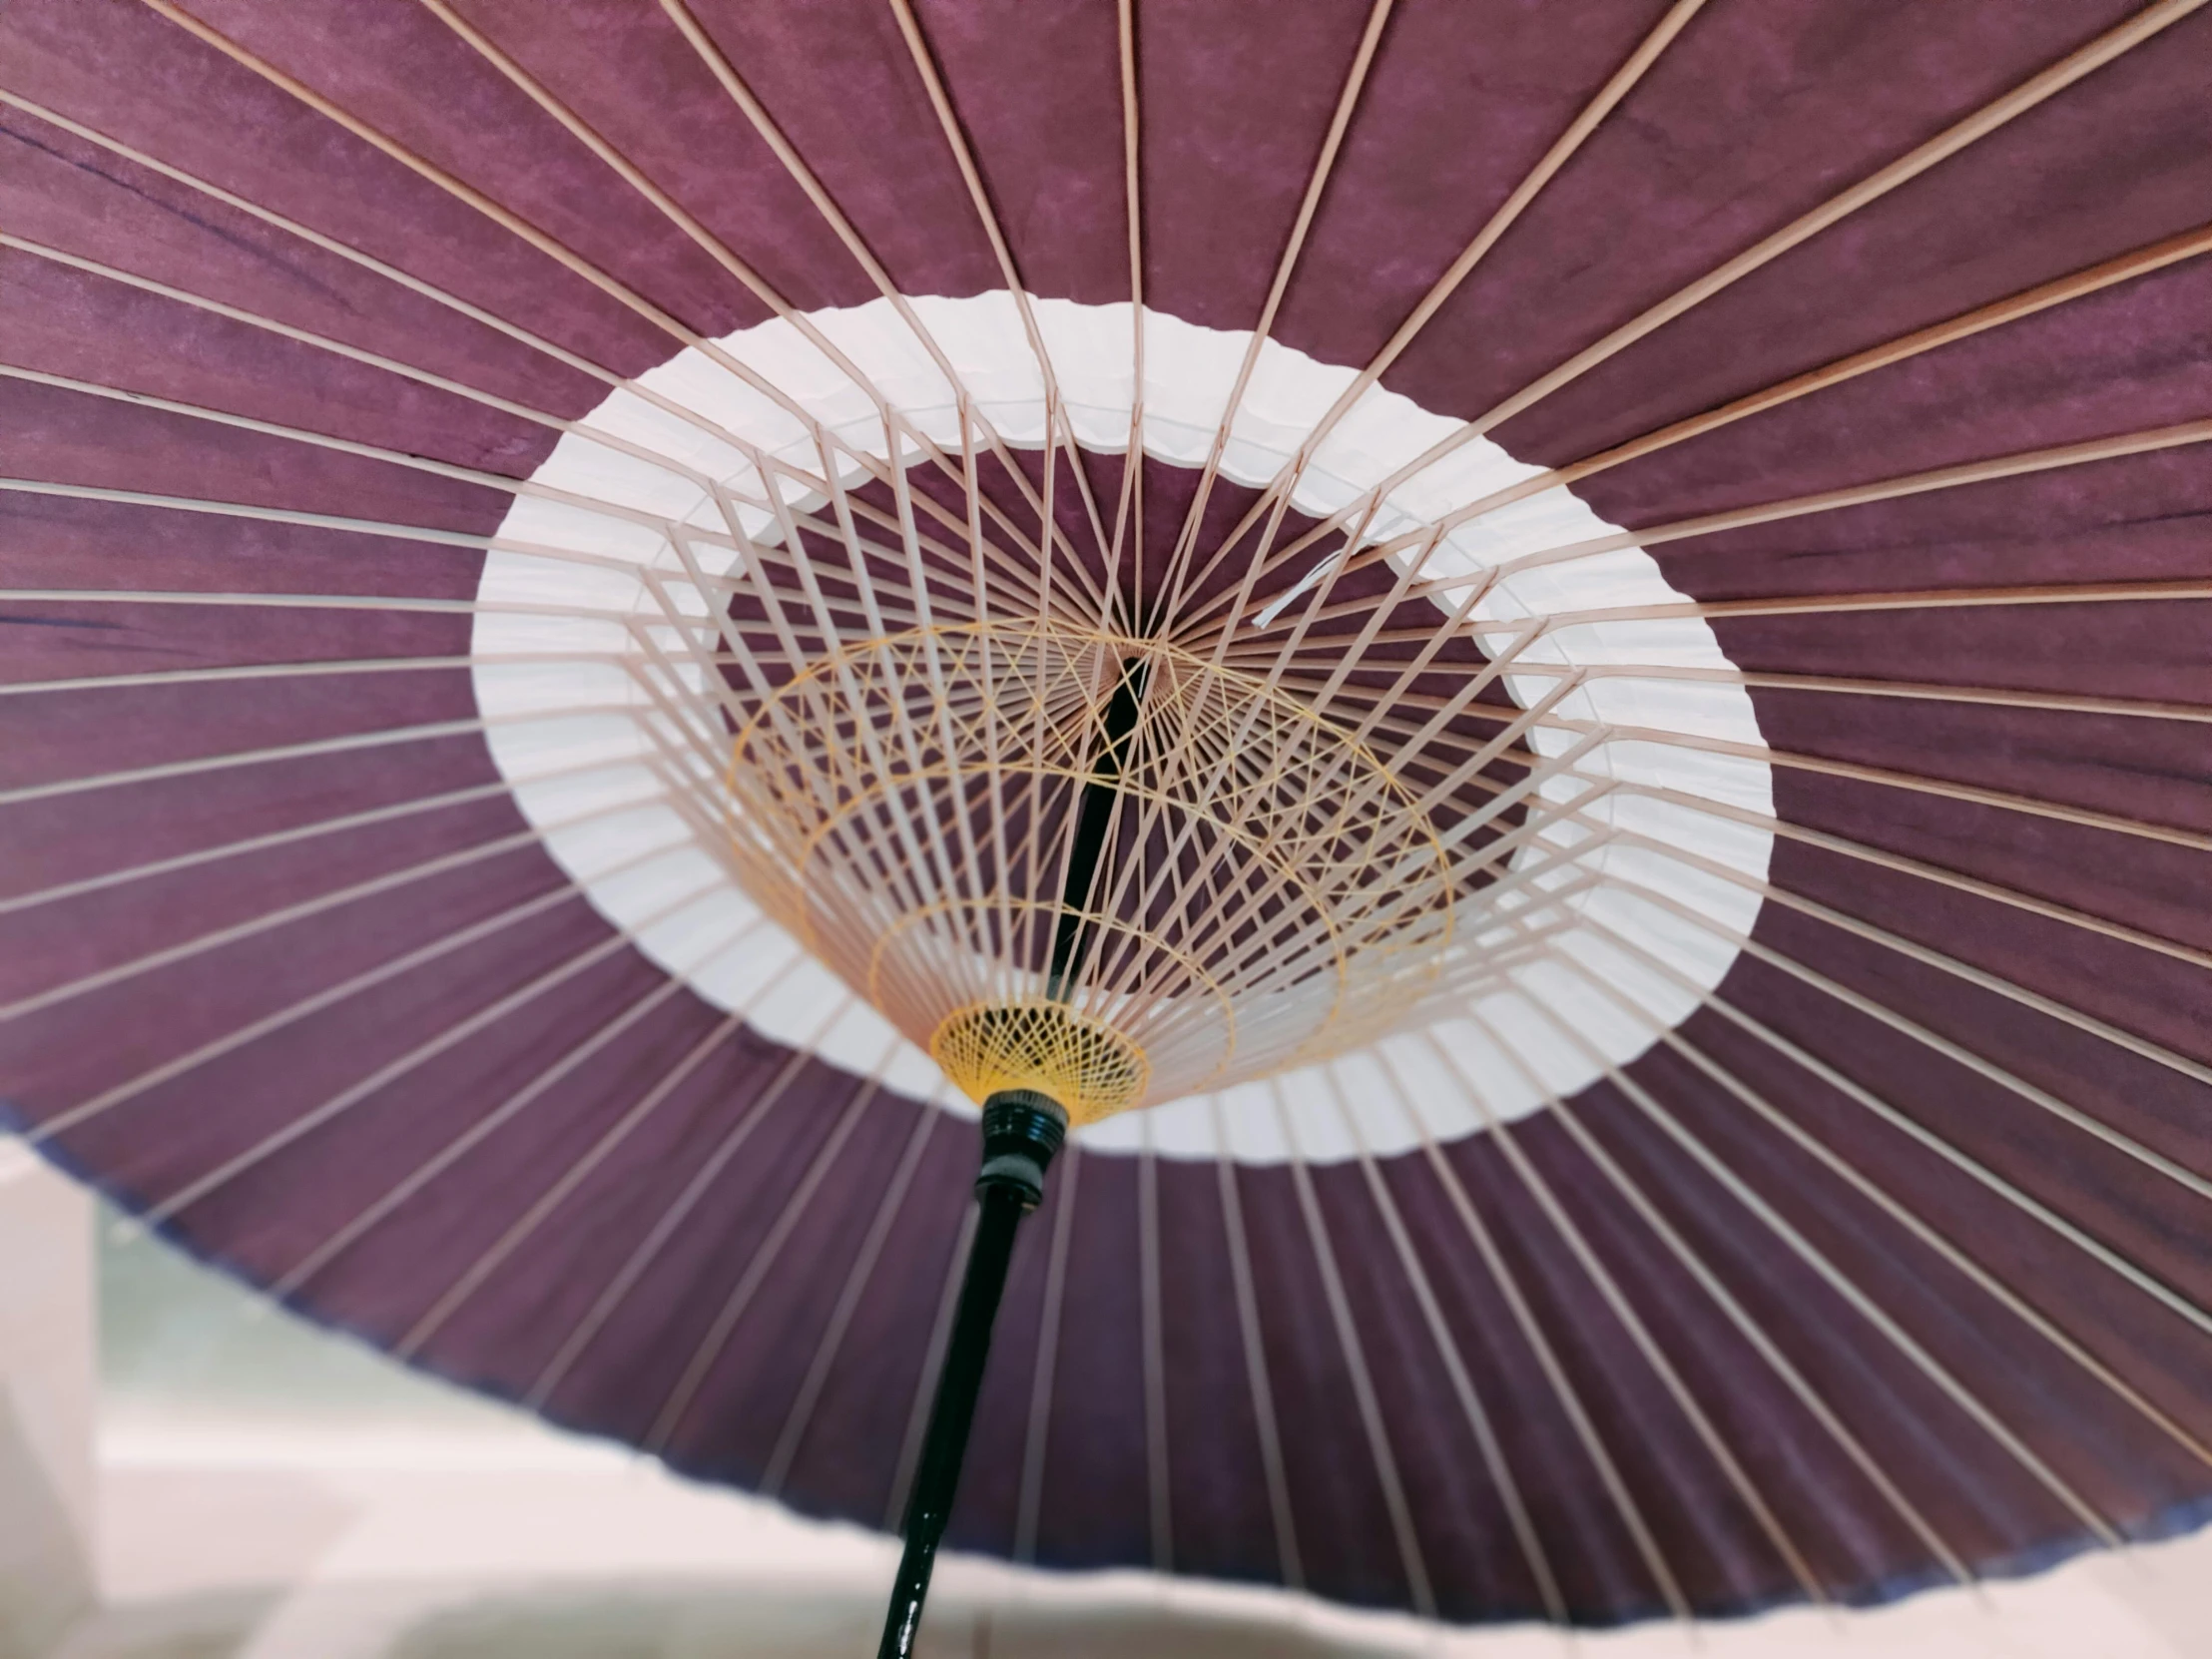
(1021, 1131)
(1094, 813)
(954, 1413)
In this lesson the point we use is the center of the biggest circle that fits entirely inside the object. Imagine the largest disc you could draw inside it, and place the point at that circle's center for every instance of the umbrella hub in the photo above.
(1091, 1070)
(1098, 866)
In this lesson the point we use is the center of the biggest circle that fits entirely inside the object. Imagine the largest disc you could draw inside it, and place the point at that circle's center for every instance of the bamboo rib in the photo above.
(2019, 1199)
(1159, 1487)
(1875, 1192)
(1863, 1304)
(351, 742)
(476, 314)
(793, 1435)
(2088, 451)
(825, 439)
(2026, 462)
(479, 1271)
(1348, 100)
(1148, 820)
(1479, 1422)
(1818, 604)
(901, 430)
(1129, 515)
(2081, 593)
(1754, 1499)
(669, 529)
(1995, 891)
(349, 526)
(285, 916)
(684, 1394)
(2095, 54)
(1275, 496)
(724, 72)
(925, 67)
(329, 997)
(1884, 1484)
(1037, 1425)
(298, 1128)
(1916, 783)
(1289, 1564)
(1982, 978)
(396, 1197)
(310, 668)
(2106, 47)
(918, 1414)
(2078, 284)
(1129, 522)
(512, 222)
(1421, 1591)
(765, 465)
(1632, 1518)
(2197, 1185)
(498, 481)
(84, 886)
(1540, 716)
(1928, 690)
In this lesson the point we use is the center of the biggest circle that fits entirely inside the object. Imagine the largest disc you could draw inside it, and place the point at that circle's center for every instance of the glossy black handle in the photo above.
(939, 1476)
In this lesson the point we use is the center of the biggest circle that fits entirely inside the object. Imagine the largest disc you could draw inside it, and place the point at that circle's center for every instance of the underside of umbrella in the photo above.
(1545, 665)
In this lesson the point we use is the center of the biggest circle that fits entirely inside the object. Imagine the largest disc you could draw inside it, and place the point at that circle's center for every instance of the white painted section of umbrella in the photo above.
(1189, 374)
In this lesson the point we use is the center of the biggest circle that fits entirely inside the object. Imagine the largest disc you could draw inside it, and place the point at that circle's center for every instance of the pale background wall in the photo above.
(225, 1485)
(46, 1398)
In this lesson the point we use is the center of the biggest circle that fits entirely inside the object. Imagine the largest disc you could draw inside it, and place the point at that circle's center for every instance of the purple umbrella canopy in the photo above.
(563, 566)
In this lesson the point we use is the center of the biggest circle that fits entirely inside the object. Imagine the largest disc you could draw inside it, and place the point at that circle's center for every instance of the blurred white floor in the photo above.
(270, 1549)
(240, 1487)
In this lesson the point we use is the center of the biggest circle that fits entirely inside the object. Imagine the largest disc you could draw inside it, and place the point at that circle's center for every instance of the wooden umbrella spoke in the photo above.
(1276, 494)
(1540, 1346)
(2091, 280)
(538, 1087)
(2084, 60)
(859, 1275)
(150, 961)
(1479, 1418)
(1860, 1181)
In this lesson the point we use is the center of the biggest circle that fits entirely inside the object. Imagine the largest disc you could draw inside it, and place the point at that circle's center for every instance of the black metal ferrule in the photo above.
(1022, 1129)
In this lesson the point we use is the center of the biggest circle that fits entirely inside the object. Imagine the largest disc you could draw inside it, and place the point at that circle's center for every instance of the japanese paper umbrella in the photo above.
(1546, 666)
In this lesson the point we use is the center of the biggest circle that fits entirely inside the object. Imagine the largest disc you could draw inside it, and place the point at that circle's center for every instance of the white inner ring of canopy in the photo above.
(1189, 373)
